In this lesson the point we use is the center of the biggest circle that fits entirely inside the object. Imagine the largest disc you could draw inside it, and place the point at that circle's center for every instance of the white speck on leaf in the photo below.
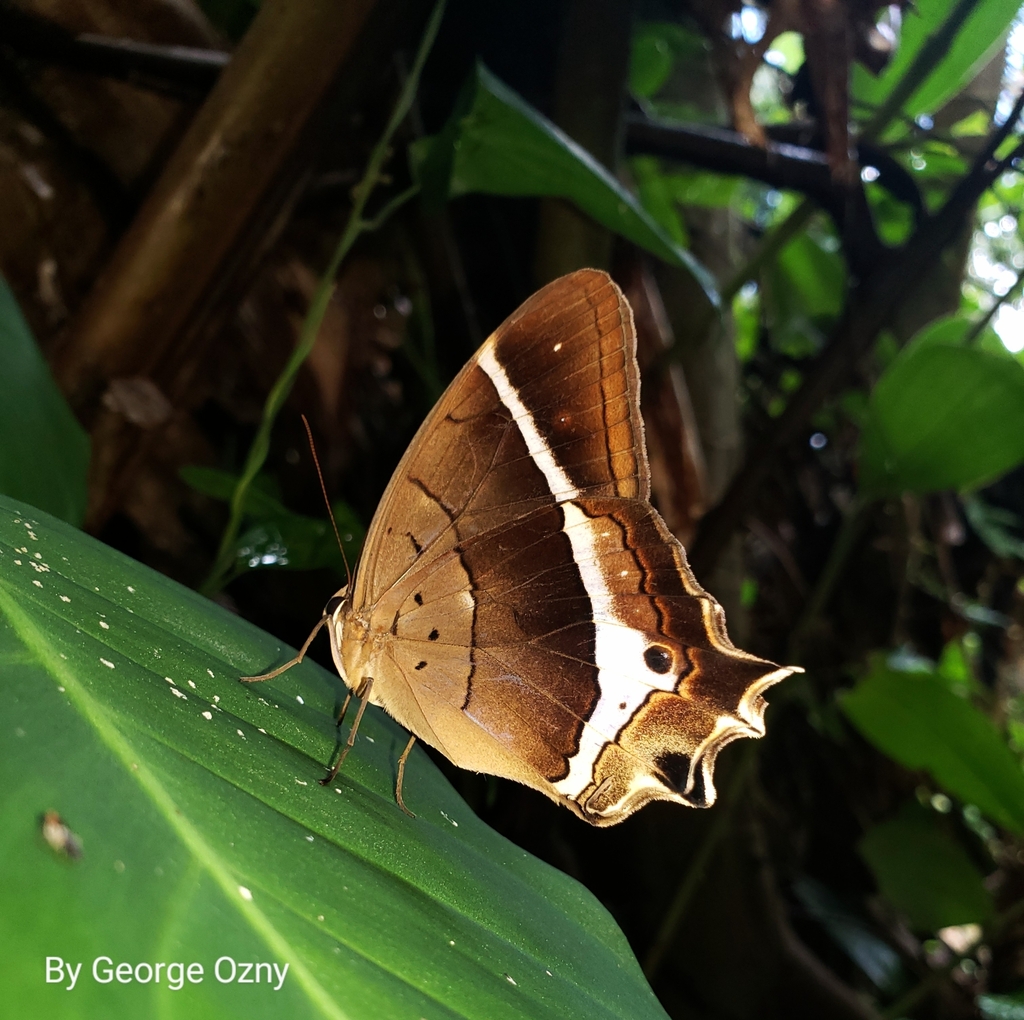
(107, 663)
(244, 893)
(302, 782)
(38, 584)
(336, 790)
(310, 838)
(61, 689)
(179, 694)
(298, 698)
(18, 562)
(192, 684)
(207, 715)
(511, 980)
(210, 671)
(38, 556)
(131, 589)
(104, 625)
(262, 730)
(168, 679)
(241, 734)
(64, 598)
(319, 917)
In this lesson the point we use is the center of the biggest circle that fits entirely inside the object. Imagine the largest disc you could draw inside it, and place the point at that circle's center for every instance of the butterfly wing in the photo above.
(520, 604)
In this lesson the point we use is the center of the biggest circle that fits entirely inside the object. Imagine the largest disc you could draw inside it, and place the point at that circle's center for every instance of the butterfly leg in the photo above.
(401, 775)
(291, 662)
(364, 694)
(344, 708)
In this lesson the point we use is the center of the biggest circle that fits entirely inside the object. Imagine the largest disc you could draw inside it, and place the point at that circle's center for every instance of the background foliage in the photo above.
(832, 349)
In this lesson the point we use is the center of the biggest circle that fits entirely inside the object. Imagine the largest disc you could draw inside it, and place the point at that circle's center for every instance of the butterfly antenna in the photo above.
(327, 502)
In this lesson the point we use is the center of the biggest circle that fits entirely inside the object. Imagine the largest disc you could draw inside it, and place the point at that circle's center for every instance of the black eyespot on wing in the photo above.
(433, 635)
(332, 604)
(658, 659)
(418, 599)
(420, 665)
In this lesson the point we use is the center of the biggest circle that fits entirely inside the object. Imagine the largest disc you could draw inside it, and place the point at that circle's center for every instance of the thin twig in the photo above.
(355, 226)
(982, 324)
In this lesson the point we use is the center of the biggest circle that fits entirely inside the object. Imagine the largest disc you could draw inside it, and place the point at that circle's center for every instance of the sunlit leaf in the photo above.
(943, 416)
(44, 452)
(915, 719)
(496, 143)
(204, 831)
(1001, 1007)
(975, 43)
(924, 872)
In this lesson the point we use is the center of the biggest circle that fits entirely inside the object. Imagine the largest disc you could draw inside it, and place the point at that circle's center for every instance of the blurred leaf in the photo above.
(278, 537)
(913, 718)
(44, 452)
(925, 873)
(746, 314)
(1001, 1007)
(496, 143)
(942, 417)
(658, 197)
(786, 52)
(657, 45)
(1001, 530)
(893, 219)
(974, 45)
(204, 830)
(974, 125)
(852, 934)
(803, 289)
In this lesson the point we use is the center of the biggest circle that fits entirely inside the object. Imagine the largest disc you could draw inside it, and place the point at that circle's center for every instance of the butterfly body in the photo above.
(520, 605)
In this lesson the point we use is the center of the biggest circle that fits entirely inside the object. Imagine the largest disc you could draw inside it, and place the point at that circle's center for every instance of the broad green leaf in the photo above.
(205, 833)
(44, 452)
(943, 417)
(496, 143)
(924, 872)
(975, 44)
(656, 47)
(1001, 530)
(915, 719)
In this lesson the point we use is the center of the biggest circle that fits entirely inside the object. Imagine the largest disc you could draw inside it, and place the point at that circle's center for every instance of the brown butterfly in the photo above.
(520, 605)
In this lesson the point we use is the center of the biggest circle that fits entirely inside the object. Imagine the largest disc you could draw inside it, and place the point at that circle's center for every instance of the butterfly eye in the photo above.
(658, 659)
(332, 605)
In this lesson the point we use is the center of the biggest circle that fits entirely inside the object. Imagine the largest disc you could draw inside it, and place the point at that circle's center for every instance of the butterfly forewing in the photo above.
(521, 606)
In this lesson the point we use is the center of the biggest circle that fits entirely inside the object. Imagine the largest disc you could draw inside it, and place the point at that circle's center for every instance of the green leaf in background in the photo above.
(496, 143)
(803, 291)
(975, 43)
(924, 872)
(943, 416)
(205, 833)
(656, 46)
(1001, 1007)
(1001, 530)
(915, 719)
(44, 453)
(278, 537)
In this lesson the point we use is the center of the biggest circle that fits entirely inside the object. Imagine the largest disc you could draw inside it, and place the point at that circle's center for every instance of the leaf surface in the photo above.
(205, 833)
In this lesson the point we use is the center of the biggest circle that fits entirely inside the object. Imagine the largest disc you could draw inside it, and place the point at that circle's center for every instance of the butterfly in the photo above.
(520, 605)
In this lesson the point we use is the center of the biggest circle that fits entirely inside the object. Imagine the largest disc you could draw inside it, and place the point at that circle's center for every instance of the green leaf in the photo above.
(496, 143)
(44, 452)
(204, 831)
(658, 196)
(804, 290)
(1001, 530)
(279, 537)
(975, 44)
(1001, 1007)
(656, 47)
(943, 417)
(914, 718)
(924, 873)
